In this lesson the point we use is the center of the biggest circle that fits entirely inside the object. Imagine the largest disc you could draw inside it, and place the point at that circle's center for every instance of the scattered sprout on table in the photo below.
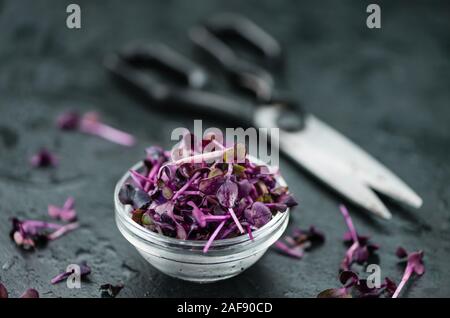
(31, 233)
(44, 158)
(65, 213)
(300, 241)
(90, 123)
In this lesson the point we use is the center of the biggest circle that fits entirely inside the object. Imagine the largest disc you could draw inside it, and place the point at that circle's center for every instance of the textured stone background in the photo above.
(387, 89)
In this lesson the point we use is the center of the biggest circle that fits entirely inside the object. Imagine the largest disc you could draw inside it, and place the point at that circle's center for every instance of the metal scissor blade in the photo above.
(355, 161)
(339, 163)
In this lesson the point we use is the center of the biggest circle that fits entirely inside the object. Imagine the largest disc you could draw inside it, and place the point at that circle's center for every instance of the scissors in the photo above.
(317, 147)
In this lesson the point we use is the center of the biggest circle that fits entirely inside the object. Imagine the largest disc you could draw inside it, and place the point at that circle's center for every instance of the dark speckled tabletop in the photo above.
(386, 89)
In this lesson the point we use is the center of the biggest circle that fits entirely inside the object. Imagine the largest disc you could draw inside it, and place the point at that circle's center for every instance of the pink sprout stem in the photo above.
(93, 126)
(187, 185)
(405, 278)
(203, 157)
(213, 236)
(216, 217)
(349, 222)
(192, 192)
(235, 219)
(297, 253)
(69, 204)
(63, 230)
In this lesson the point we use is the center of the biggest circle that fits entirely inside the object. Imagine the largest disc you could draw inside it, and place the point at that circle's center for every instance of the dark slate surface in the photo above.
(387, 89)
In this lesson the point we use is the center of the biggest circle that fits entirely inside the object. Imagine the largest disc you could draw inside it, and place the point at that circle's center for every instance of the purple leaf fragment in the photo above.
(3, 291)
(134, 196)
(43, 158)
(361, 249)
(354, 286)
(300, 241)
(30, 293)
(65, 213)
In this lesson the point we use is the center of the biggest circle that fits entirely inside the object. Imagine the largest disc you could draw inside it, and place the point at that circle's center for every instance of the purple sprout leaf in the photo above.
(401, 252)
(228, 193)
(197, 214)
(390, 286)
(31, 233)
(3, 291)
(65, 213)
(300, 241)
(69, 120)
(211, 185)
(296, 251)
(30, 293)
(360, 249)
(258, 215)
(414, 265)
(110, 291)
(353, 286)
(43, 159)
(134, 196)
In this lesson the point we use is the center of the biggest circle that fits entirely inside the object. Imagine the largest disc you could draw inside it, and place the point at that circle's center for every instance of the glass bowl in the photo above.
(184, 259)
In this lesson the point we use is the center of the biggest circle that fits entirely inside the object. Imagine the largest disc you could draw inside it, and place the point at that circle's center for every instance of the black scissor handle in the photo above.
(238, 26)
(244, 74)
(171, 98)
(160, 56)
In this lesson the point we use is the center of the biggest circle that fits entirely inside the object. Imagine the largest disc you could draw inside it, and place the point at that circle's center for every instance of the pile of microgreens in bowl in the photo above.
(204, 195)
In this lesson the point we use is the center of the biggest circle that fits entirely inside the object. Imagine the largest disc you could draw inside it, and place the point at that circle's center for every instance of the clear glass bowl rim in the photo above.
(123, 212)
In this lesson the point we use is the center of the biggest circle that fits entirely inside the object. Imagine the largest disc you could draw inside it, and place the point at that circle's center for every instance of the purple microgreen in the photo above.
(84, 271)
(65, 213)
(296, 251)
(300, 241)
(30, 233)
(90, 123)
(134, 196)
(185, 186)
(62, 231)
(30, 293)
(201, 197)
(414, 265)
(110, 291)
(139, 179)
(360, 249)
(43, 158)
(354, 286)
(258, 215)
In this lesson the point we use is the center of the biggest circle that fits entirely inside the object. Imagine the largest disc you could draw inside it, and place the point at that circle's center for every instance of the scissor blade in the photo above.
(358, 163)
(339, 163)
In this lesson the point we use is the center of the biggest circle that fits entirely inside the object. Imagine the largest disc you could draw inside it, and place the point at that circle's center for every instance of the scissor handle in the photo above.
(179, 99)
(244, 74)
(161, 56)
(246, 30)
